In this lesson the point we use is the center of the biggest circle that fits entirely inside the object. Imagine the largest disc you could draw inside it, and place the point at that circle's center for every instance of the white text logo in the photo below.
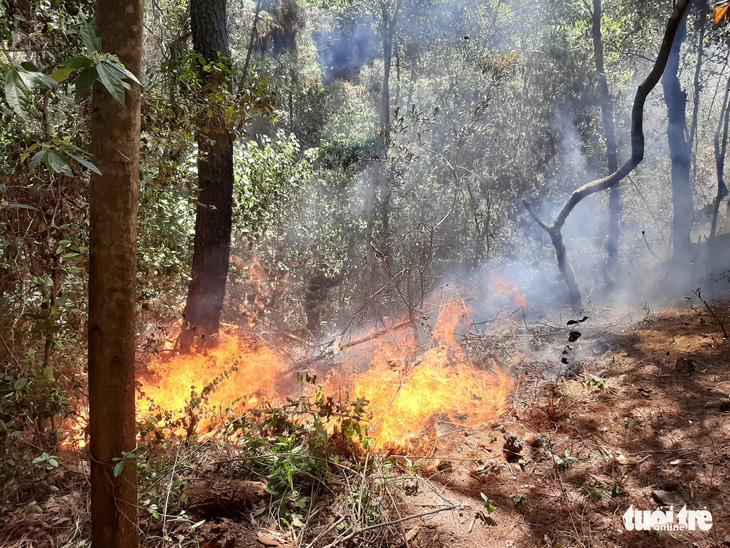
(660, 520)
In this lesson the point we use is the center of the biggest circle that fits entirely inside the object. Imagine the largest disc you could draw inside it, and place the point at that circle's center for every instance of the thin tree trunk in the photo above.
(397, 74)
(115, 130)
(637, 155)
(251, 41)
(290, 23)
(381, 180)
(701, 22)
(676, 101)
(215, 178)
(556, 237)
(721, 135)
(609, 130)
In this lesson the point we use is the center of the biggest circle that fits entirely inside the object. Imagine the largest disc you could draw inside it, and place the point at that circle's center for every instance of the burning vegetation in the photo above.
(411, 382)
(267, 284)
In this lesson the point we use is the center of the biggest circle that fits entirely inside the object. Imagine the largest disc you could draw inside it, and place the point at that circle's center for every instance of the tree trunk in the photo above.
(637, 155)
(676, 101)
(384, 202)
(609, 129)
(380, 186)
(115, 130)
(561, 254)
(212, 244)
(721, 135)
(702, 24)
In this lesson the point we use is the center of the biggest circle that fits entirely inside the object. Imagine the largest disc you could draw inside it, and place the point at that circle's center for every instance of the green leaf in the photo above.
(33, 79)
(36, 159)
(89, 37)
(78, 62)
(58, 164)
(112, 80)
(119, 468)
(121, 68)
(85, 80)
(84, 162)
(16, 93)
(22, 206)
(61, 74)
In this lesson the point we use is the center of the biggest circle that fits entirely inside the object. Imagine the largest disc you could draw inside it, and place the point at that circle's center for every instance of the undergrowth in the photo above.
(311, 448)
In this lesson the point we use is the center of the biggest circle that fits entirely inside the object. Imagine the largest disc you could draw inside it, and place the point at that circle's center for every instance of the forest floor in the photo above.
(642, 417)
(637, 417)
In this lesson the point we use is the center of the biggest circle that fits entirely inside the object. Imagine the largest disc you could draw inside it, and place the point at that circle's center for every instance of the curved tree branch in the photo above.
(637, 152)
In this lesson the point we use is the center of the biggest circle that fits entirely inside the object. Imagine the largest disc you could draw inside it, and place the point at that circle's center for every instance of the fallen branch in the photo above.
(339, 348)
(388, 524)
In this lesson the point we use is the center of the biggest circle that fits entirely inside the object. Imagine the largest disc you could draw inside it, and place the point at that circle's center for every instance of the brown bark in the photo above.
(609, 130)
(637, 155)
(213, 221)
(115, 130)
(679, 153)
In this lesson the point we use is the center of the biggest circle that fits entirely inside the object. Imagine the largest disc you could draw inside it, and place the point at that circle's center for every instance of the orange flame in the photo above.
(508, 288)
(235, 375)
(439, 384)
(408, 390)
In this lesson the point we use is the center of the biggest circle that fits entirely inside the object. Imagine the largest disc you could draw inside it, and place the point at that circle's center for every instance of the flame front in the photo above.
(409, 390)
(235, 375)
(409, 393)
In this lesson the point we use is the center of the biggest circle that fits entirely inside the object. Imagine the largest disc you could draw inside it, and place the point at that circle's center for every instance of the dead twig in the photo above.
(332, 351)
(370, 299)
(698, 293)
(388, 524)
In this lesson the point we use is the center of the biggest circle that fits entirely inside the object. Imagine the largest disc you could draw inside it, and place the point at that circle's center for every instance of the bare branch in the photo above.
(533, 214)
(637, 120)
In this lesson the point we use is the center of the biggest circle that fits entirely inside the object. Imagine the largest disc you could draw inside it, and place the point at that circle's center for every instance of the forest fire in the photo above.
(408, 389)
(414, 380)
(262, 269)
(409, 394)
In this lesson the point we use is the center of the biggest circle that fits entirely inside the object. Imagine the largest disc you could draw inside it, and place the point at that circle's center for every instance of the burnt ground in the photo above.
(646, 410)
